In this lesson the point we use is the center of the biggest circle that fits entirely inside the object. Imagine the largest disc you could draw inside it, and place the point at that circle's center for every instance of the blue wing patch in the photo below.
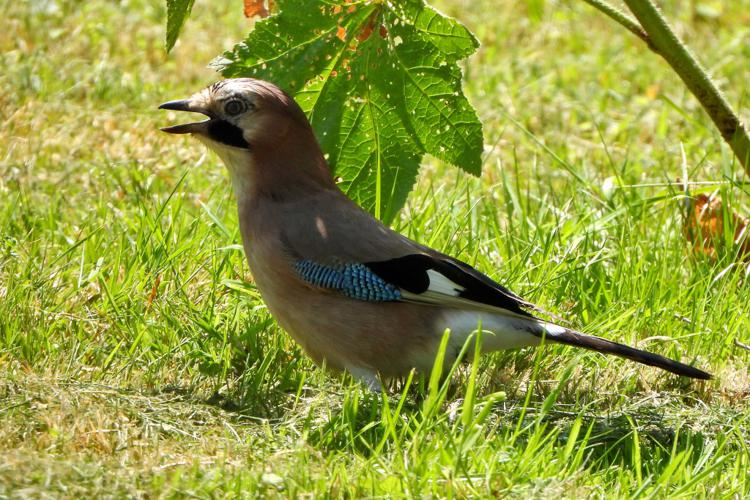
(353, 280)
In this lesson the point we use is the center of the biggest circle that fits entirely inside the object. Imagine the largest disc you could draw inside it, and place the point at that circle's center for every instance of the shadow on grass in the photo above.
(644, 439)
(638, 430)
(616, 423)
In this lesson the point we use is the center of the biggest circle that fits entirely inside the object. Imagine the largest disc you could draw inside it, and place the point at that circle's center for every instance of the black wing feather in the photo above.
(410, 273)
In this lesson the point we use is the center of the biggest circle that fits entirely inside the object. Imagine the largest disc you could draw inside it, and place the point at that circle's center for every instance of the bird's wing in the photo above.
(334, 245)
(417, 277)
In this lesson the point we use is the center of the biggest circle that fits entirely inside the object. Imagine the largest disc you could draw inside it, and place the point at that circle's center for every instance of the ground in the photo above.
(137, 358)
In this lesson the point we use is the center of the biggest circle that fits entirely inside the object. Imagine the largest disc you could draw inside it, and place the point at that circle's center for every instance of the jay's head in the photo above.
(243, 113)
(258, 130)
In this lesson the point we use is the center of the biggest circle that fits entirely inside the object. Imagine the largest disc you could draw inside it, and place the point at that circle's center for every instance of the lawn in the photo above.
(137, 358)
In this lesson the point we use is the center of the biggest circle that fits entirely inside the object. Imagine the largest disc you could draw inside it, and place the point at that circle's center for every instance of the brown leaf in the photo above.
(154, 291)
(704, 227)
(255, 8)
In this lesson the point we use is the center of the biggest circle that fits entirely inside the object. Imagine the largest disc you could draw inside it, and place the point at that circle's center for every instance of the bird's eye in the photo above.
(235, 107)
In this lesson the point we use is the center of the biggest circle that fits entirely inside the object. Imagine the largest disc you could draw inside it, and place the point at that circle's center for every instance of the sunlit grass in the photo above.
(137, 357)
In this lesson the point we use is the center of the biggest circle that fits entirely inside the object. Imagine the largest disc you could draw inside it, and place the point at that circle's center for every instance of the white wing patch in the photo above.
(441, 284)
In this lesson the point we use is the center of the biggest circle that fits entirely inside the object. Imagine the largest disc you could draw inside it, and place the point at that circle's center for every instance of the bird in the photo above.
(357, 296)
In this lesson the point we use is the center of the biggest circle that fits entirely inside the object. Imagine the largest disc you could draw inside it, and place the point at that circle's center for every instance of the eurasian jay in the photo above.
(352, 292)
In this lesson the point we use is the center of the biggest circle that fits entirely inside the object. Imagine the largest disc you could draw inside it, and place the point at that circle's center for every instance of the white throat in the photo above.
(237, 161)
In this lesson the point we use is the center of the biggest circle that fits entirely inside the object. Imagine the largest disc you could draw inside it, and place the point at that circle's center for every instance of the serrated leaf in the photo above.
(380, 84)
(177, 13)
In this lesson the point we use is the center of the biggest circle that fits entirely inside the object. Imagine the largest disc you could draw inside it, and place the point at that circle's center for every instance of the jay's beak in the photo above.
(187, 128)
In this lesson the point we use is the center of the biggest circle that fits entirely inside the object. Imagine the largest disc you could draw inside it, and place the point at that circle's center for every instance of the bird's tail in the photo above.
(566, 336)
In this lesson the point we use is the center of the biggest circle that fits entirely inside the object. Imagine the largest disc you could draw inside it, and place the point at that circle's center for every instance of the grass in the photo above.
(137, 359)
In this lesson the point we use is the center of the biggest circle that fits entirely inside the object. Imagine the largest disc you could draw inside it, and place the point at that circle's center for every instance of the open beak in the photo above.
(187, 128)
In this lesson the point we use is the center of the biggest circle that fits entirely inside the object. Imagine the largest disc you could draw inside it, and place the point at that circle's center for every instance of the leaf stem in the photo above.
(620, 17)
(661, 39)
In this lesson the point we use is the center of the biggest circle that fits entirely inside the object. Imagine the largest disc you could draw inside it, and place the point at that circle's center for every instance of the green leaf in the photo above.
(177, 13)
(380, 83)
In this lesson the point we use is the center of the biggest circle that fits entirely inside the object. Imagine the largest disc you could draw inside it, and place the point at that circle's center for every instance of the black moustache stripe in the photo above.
(226, 133)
